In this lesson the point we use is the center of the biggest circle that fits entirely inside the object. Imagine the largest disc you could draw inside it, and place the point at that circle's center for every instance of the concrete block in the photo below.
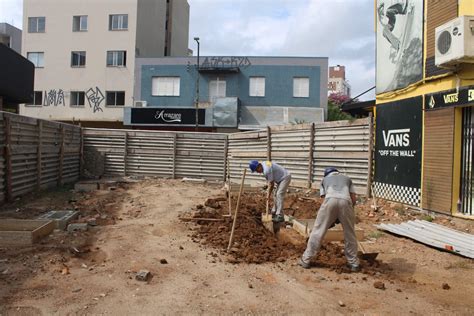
(86, 186)
(143, 275)
(60, 218)
(77, 227)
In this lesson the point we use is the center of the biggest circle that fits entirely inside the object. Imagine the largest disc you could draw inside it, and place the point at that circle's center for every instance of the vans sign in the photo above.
(454, 97)
(396, 137)
(398, 142)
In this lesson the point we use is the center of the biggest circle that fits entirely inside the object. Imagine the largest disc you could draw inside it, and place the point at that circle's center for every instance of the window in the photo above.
(37, 59)
(301, 87)
(36, 24)
(115, 98)
(77, 99)
(257, 87)
(79, 23)
(78, 59)
(118, 22)
(165, 86)
(217, 89)
(37, 99)
(117, 58)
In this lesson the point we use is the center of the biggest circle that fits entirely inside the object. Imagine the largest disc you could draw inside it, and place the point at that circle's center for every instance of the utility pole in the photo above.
(197, 86)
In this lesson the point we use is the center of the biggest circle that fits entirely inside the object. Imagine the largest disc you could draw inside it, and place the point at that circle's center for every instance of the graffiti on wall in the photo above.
(226, 62)
(95, 98)
(54, 97)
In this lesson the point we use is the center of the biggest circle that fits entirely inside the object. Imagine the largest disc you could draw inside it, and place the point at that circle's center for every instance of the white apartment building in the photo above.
(84, 52)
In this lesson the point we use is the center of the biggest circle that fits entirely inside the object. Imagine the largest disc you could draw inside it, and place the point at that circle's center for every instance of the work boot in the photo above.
(303, 264)
(353, 268)
(278, 218)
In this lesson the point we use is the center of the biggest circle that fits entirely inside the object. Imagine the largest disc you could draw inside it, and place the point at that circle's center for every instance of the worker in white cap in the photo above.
(275, 174)
(339, 200)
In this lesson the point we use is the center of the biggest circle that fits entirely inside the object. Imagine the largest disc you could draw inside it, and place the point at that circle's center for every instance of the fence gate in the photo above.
(466, 172)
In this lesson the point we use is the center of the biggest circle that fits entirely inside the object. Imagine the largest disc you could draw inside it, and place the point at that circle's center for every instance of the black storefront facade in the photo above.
(16, 79)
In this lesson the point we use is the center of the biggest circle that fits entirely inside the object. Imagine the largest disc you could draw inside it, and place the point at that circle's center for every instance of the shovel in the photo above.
(368, 256)
(267, 221)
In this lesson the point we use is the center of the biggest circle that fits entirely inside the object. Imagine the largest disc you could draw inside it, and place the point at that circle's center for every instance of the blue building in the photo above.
(231, 93)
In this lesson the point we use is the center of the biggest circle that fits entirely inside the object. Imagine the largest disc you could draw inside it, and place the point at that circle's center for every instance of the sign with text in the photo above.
(454, 97)
(167, 116)
(398, 143)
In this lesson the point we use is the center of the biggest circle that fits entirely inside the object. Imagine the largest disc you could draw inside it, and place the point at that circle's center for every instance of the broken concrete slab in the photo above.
(77, 227)
(86, 186)
(60, 218)
(22, 232)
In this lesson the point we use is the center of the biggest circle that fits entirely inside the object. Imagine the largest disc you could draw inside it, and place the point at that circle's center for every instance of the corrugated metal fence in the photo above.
(36, 154)
(306, 149)
(156, 153)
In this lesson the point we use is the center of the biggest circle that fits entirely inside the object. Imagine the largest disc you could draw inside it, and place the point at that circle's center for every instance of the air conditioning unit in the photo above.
(454, 42)
(140, 104)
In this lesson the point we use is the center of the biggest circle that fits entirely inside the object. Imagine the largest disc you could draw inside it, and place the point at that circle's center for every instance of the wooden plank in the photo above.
(334, 124)
(250, 154)
(311, 155)
(43, 230)
(125, 153)
(294, 127)
(81, 153)
(269, 143)
(8, 160)
(39, 155)
(61, 157)
(370, 155)
(17, 232)
(226, 150)
(175, 141)
(304, 227)
(346, 155)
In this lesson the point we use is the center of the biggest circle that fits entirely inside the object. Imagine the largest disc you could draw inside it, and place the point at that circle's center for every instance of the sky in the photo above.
(342, 30)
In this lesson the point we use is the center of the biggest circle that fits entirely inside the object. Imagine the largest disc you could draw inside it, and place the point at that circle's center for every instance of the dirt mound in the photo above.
(252, 242)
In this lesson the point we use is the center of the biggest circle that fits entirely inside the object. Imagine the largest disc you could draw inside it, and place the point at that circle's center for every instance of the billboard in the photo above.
(399, 44)
(398, 149)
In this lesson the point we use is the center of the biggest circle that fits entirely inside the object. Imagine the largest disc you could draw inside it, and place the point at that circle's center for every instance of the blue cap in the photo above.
(253, 164)
(329, 170)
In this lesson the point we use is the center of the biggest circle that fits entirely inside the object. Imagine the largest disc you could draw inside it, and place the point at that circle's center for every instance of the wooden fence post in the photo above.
(125, 152)
(81, 151)
(8, 158)
(311, 155)
(39, 155)
(269, 143)
(370, 155)
(175, 146)
(226, 149)
(61, 156)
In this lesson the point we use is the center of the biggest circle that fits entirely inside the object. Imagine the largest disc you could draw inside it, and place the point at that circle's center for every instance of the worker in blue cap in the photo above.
(275, 174)
(339, 200)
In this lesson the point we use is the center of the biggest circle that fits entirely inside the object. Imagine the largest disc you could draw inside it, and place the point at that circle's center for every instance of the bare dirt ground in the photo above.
(93, 272)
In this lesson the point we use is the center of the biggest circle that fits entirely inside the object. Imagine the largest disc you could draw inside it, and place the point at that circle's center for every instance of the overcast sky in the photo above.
(342, 30)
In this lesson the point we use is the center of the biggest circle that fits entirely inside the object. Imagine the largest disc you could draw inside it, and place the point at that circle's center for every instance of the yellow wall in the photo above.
(466, 7)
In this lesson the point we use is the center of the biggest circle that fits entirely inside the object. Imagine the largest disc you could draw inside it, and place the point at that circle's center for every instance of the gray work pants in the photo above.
(331, 210)
(279, 195)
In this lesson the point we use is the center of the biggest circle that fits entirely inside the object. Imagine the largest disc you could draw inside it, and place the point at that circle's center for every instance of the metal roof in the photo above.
(434, 235)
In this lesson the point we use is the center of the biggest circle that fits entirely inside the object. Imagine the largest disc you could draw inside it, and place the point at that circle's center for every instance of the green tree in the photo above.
(336, 114)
